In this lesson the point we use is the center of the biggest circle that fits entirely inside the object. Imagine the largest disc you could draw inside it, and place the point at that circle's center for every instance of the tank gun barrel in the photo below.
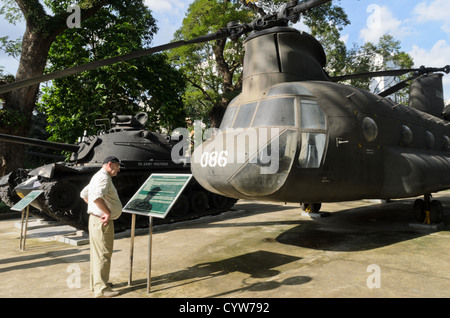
(38, 143)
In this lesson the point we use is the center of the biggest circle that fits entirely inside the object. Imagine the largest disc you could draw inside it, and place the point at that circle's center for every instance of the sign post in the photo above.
(154, 198)
(20, 206)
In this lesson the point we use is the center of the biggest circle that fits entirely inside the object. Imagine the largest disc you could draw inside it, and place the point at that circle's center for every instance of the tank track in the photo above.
(10, 198)
(61, 201)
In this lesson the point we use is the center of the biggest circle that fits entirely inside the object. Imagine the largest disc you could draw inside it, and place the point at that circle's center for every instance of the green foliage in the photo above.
(11, 118)
(213, 69)
(11, 11)
(146, 84)
(11, 47)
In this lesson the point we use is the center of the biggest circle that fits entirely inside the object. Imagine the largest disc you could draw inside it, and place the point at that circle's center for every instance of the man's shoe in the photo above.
(108, 294)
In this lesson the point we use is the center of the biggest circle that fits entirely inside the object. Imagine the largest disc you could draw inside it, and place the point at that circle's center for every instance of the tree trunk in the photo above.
(40, 32)
(20, 103)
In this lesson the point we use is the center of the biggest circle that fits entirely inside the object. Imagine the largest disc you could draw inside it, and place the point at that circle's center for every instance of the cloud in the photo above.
(381, 21)
(167, 6)
(436, 10)
(436, 56)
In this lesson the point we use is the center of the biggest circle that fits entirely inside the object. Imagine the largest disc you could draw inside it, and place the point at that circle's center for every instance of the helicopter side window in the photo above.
(313, 135)
(245, 115)
(275, 112)
(313, 148)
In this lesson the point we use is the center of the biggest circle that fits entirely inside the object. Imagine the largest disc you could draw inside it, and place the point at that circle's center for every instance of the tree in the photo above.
(212, 69)
(41, 30)
(146, 84)
(373, 57)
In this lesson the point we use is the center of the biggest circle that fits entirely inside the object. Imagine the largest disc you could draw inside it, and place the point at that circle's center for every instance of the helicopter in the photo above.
(296, 135)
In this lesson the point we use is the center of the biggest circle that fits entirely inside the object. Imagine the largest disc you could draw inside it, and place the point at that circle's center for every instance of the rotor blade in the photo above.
(305, 6)
(297, 9)
(397, 87)
(420, 70)
(112, 60)
(373, 74)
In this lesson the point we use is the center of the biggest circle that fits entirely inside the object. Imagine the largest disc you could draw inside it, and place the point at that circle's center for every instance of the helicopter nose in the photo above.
(245, 163)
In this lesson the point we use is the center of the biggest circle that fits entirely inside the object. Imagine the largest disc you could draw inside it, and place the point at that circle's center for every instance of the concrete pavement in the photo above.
(260, 250)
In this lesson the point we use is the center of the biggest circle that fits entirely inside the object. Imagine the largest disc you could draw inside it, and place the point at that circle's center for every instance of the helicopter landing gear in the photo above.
(312, 210)
(428, 211)
(311, 207)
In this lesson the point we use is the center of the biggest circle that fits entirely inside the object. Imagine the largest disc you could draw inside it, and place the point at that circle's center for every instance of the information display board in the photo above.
(22, 204)
(157, 195)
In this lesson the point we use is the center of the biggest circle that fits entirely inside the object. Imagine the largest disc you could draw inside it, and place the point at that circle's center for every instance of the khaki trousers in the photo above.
(101, 248)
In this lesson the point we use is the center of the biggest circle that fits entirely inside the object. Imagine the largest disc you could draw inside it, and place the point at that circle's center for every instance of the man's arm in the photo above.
(104, 208)
(84, 194)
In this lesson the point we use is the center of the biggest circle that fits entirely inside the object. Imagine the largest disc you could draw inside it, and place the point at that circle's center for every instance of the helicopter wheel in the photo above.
(419, 210)
(311, 207)
(435, 211)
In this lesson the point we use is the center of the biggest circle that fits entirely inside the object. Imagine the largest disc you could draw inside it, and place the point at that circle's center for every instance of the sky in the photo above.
(421, 26)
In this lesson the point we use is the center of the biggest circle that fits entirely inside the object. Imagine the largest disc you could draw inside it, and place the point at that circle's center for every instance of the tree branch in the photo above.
(32, 10)
(201, 89)
(253, 7)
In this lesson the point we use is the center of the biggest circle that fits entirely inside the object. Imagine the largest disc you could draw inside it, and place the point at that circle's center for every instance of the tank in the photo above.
(142, 153)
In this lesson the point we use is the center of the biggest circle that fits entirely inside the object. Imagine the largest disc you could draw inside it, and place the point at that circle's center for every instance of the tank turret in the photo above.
(141, 151)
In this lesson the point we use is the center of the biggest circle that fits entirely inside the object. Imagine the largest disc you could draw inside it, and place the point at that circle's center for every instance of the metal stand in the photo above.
(149, 265)
(23, 234)
(133, 226)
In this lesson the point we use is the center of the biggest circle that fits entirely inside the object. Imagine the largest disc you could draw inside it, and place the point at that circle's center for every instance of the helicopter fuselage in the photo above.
(317, 141)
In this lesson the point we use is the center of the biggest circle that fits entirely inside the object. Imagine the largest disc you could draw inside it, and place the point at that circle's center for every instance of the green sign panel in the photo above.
(22, 204)
(157, 195)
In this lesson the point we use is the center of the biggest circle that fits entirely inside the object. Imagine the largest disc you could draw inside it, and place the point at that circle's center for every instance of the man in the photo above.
(104, 207)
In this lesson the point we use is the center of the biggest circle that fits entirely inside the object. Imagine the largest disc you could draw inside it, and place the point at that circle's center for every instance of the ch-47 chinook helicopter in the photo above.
(296, 135)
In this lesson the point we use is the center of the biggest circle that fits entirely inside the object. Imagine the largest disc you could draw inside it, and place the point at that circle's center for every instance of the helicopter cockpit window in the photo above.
(312, 116)
(313, 134)
(245, 115)
(275, 112)
(228, 117)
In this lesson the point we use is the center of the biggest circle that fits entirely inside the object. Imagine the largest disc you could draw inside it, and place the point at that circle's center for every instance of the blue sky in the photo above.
(422, 27)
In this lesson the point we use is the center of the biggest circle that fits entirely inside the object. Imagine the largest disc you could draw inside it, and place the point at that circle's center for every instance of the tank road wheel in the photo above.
(419, 210)
(198, 201)
(181, 206)
(64, 196)
(218, 201)
(435, 212)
